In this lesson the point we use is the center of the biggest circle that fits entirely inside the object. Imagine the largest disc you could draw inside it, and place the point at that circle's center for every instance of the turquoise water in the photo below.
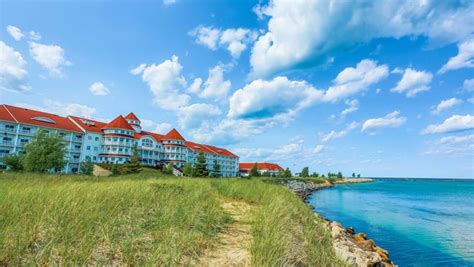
(420, 222)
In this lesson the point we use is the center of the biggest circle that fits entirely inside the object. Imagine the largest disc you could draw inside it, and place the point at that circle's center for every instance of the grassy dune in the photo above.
(149, 219)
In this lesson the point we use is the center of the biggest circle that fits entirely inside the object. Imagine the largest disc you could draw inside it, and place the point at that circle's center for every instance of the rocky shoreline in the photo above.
(353, 248)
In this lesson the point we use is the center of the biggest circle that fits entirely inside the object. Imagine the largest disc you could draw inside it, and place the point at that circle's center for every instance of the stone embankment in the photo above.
(355, 249)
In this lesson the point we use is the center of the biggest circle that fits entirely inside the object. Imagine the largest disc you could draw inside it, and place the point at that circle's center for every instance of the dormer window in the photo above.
(44, 119)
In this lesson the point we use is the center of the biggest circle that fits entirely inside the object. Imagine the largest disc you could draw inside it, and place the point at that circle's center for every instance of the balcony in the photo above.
(9, 130)
(26, 132)
(7, 143)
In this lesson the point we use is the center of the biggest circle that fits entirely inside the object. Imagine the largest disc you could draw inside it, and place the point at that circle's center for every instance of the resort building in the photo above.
(268, 168)
(112, 142)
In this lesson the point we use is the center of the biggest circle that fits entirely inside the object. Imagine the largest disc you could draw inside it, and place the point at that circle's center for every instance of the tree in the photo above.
(133, 165)
(254, 171)
(315, 175)
(44, 153)
(168, 169)
(201, 168)
(358, 175)
(322, 176)
(115, 169)
(13, 162)
(305, 172)
(188, 169)
(216, 169)
(353, 175)
(339, 175)
(87, 167)
(287, 173)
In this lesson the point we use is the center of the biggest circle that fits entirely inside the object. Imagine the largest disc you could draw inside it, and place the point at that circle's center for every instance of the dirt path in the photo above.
(234, 246)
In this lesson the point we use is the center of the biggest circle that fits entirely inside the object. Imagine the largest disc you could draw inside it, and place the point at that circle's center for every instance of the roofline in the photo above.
(9, 112)
(77, 124)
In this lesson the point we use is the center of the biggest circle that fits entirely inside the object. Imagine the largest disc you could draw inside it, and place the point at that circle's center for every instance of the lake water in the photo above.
(420, 222)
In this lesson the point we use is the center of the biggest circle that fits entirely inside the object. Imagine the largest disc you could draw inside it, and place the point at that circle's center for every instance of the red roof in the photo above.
(154, 135)
(260, 166)
(39, 118)
(173, 135)
(199, 148)
(88, 125)
(118, 123)
(222, 151)
(5, 114)
(132, 116)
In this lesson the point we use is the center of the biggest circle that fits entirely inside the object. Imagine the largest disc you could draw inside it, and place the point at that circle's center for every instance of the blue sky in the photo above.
(381, 88)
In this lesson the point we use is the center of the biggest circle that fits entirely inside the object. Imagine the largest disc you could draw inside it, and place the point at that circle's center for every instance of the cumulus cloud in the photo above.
(318, 149)
(301, 33)
(153, 126)
(468, 85)
(192, 116)
(50, 57)
(195, 87)
(63, 109)
(13, 73)
(464, 58)
(98, 88)
(15, 32)
(452, 145)
(235, 40)
(278, 97)
(391, 120)
(452, 124)
(215, 86)
(413, 82)
(338, 134)
(446, 104)
(354, 80)
(165, 81)
(35, 36)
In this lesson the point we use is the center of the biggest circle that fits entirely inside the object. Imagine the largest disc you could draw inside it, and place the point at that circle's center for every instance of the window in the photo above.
(78, 136)
(89, 137)
(94, 157)
(88, 148)
(44, 119)
(97, 138)
(9, 128)
(96, 148)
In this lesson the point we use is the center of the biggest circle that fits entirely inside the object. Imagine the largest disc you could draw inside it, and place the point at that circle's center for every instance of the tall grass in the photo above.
(145, 220)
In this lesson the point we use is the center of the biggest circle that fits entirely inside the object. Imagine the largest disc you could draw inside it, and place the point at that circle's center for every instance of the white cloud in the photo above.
(13, 73)
(215, 86)
(15, 32)
(354, 80)
(235, 40)
(153, 126)
(169, 2)
(397, 70)
(468, 85)
(318, 149)
(51, 57)
(63, 109)
(279, 97)
(338, 134)
(99, 88)
(165, 81)
(451, 124)
(413, 82)
(353, 106)
(195, 87)
(194, 115)
(34, 36)
(305, 32)
(452, 145)
(471, 100)
(464, 58)
(446, 104)
(391, 120)
(207, 36)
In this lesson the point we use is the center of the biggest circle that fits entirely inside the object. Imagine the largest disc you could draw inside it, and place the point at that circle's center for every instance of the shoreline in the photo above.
(354, 248)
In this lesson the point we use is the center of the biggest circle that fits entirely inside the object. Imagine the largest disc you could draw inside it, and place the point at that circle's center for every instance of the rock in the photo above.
(350, 230)
(360, 237)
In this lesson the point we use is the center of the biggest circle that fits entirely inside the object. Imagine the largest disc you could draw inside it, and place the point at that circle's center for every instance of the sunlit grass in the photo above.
(145, 219)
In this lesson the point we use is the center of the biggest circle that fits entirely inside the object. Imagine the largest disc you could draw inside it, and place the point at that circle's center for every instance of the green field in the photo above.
(150, 219)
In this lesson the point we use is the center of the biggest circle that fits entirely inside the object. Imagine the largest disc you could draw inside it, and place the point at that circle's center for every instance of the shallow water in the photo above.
(420, 222)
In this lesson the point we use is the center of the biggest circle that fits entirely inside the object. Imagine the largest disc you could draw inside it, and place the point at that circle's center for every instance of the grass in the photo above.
(149, 219)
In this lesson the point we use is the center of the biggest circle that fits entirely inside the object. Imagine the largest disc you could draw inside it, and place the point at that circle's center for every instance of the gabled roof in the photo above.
(39, 118)
(260, 166)
(199, 148)
(89, 125)
(222, 151)
(132, 116)
(118, 123)
(173, 135)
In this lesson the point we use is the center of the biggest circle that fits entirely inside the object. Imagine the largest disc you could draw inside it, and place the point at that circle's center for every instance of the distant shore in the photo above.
(356, 249)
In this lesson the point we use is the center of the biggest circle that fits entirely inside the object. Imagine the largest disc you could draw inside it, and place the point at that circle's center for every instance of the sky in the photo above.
(380, 88)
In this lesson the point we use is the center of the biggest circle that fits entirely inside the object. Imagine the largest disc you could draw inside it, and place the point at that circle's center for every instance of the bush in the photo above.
(45, 153)
(87, 167)
(13, 162)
